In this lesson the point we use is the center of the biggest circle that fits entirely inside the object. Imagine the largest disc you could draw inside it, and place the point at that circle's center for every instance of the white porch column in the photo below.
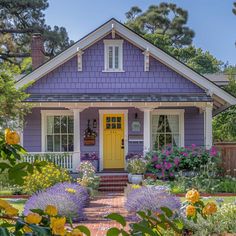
(76, 154)
(146, 130)
(208, 126)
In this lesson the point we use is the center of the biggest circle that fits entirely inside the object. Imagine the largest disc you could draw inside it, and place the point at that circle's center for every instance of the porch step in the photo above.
(113, 183)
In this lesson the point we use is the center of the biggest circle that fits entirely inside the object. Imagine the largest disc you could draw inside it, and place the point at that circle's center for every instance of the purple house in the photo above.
(113, 93)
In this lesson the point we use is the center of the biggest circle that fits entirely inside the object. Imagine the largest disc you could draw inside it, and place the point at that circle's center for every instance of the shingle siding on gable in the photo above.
(160, 78)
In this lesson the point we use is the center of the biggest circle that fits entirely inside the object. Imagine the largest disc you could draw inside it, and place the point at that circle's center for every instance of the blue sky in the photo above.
(212, 20)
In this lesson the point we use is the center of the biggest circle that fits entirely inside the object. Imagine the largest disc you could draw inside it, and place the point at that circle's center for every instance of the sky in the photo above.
(212, 20)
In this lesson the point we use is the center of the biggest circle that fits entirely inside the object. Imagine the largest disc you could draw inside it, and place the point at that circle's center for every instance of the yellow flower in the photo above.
(4, 204)
(190, 210)
(209, 209)
(11, 137)
(192, 196)
(58, 225)
(33, 218)
(135, 186)
(70, 190)
(11, 211)
(51, 210)
(27, 229)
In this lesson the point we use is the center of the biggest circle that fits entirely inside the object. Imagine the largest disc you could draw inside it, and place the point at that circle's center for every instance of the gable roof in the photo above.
(222, 96)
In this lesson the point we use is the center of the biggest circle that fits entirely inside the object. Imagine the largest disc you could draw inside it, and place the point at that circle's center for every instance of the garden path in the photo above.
(99, 207)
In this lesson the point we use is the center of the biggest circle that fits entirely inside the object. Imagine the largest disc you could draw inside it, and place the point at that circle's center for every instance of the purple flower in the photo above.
(194, 145)
(68, 204)
(155, 158)
(171, 174)
(151, 198)
(213, 151)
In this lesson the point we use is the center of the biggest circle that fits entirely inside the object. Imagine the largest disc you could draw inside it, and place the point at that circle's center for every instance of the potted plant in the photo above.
(137, 168)
(129, 157)
(91, 157)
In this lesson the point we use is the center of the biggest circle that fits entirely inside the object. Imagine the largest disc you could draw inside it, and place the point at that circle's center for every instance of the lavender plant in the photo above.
(69, 198)
(151, 198)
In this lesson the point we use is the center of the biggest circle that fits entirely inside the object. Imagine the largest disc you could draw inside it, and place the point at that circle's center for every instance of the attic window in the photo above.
(113, 55)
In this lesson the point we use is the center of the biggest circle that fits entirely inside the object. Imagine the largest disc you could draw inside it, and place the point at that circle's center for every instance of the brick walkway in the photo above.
(101, 206)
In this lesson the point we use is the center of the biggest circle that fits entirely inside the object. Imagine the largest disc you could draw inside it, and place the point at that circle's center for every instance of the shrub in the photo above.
(88, 176)
(151, 198)
(48, 176)
(137, 166)
(171, 159)
(68, 198)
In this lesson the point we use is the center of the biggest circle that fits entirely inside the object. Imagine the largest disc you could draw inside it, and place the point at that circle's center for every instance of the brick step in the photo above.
(116, 178)
(111, 189)
(120, 183)
(113, 180)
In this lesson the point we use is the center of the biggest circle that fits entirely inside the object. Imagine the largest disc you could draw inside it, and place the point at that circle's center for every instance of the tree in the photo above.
(224, 124)
(12, 108)
(18, 20)
(163, 19)
(234, 8)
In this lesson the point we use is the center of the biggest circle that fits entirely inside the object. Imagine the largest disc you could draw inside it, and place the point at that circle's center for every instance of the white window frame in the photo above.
(44, 115)
(180, 113)
(114, 43)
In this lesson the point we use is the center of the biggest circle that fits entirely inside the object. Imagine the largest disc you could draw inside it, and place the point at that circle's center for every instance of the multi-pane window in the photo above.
(113, 55)
(165, 130)
(60, 133)
(113, 122)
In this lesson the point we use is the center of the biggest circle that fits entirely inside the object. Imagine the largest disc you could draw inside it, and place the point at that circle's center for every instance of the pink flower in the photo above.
(155, 158)
(168, 165)
(176, 161)
(167, 153)
(185, 154)
(171, 174)
(213, 151)
(194, 145)
(158, 166)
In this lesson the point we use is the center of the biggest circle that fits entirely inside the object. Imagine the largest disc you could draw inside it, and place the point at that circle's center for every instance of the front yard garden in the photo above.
(166, 195)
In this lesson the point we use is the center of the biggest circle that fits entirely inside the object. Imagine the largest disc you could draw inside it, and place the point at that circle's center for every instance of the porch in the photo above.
(57, 131)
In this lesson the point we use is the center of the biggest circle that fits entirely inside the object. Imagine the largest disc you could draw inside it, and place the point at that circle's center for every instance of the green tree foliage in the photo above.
(12, 109)
(234, 8)
(224, 124)
(163, 19)
(165, 25)
(18, 20)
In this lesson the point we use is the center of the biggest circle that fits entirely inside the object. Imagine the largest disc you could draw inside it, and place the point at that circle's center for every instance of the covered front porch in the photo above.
(66, 132)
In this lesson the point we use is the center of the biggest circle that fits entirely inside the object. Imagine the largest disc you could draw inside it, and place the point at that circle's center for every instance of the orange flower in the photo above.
(27, 229)
(11, 211)
(58, 226)
(11, 137)
(190, 210)
(33, 218)
(192, 196)
(209, 209)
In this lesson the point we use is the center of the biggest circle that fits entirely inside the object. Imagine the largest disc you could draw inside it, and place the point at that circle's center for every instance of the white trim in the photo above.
(44, 114)
(180, 113)
(136, 40)
(114, 43)
(117, 111)
(208, 127)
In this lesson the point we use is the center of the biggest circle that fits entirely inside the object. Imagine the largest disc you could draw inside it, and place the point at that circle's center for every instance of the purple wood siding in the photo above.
(194, 126)
(194, 129)
(160, 78)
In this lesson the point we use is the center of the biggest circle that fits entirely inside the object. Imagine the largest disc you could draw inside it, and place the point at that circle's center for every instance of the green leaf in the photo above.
(4, 166)
(143, 229)
(19, 225)
(38, 211)
(167, 211)
(118, 218)
(113, 232)
(4, 232)
(40, 231)
(84, 230)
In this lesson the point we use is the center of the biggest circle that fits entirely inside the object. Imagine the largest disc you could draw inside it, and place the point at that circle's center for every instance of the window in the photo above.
(59, 133)
(113, 55)
(167, 128)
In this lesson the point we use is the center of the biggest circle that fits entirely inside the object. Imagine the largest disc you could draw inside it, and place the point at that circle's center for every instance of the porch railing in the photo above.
(66, 160)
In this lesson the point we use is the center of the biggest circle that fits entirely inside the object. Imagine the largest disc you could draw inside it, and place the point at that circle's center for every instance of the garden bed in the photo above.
(210, 194)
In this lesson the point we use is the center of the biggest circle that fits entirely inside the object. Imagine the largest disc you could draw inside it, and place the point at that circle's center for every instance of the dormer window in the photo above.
(113, 55)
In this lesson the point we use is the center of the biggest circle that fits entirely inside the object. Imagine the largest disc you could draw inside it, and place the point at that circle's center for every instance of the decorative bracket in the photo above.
(113, 31)
(79, 59)
(146, 54)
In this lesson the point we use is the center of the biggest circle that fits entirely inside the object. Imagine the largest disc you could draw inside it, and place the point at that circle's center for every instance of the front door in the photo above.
(113, 141)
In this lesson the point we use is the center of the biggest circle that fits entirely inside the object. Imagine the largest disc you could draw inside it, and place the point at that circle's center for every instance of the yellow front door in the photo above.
(113, 141)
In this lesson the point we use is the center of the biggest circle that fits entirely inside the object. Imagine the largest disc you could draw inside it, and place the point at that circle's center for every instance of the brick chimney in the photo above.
(37, 50)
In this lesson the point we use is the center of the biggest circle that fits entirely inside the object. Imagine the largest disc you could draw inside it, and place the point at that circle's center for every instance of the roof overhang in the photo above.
(224, 98)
